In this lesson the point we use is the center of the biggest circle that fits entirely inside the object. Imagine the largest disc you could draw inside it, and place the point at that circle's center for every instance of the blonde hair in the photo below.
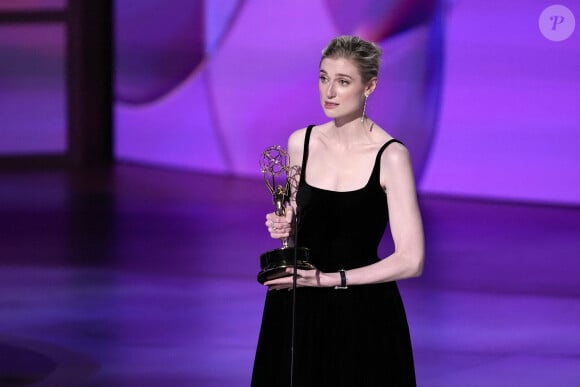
(366, 55)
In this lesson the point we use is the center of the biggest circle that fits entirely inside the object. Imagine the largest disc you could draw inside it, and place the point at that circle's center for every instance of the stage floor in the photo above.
(146, 277)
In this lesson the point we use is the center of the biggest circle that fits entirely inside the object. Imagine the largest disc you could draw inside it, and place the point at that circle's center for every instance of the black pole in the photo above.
(294, 279)
(90, 58)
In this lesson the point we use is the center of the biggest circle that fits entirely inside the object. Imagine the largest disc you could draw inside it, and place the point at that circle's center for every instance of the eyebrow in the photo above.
(339, 74)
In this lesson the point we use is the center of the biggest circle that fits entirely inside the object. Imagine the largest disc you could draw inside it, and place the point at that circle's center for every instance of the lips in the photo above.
(330, 105)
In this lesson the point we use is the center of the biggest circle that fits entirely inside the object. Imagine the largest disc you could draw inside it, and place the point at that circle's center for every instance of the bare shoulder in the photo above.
(296, 140)
(395, 163)
(396, 173)
(296, 146)
(396, 152)
(395, 156)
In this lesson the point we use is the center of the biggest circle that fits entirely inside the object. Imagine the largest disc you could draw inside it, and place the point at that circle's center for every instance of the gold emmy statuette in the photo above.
(275, 167)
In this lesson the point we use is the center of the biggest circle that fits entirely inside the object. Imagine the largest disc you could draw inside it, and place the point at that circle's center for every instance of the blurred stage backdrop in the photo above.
(487, 101)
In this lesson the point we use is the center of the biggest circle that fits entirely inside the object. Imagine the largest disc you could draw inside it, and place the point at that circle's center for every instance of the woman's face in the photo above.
(341, 88)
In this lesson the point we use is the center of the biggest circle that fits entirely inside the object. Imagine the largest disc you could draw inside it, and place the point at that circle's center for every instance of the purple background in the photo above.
(212, 98)
(6, 5)
(510, 113)
(487, 105)
(32, 89)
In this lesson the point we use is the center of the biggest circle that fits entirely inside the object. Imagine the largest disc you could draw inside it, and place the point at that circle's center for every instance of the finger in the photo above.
(276, 222)
(285, 281)
(282, 287)
(270, 227)
(302, 273)
(272, 224)
(289, 213)
(279, 231)
(289, 270)
(275, 282)
(272, 217)
(276, 286)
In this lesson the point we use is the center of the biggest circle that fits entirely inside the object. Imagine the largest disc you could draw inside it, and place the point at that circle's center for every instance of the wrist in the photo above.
(342, 280)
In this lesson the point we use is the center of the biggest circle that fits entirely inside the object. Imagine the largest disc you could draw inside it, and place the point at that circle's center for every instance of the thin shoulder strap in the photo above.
(385, 145)
(305, 153)
(376, 167)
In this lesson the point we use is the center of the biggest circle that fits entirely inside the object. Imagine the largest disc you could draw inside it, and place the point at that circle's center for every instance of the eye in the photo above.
(344, 82)
(323, 79)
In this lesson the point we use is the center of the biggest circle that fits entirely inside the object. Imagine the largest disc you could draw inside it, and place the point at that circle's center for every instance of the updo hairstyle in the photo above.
(364, 54)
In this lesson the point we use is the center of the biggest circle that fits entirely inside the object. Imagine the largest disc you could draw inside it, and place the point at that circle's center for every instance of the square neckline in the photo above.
(374, 169)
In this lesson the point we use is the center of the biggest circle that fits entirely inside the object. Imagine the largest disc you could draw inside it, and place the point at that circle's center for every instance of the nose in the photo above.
(330, 92)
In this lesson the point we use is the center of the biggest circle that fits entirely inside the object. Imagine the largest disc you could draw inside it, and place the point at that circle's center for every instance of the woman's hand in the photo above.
(280, 227)
(311, 278)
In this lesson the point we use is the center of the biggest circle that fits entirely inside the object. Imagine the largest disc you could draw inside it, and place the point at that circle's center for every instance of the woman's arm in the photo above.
(405, 220)
(295, 154)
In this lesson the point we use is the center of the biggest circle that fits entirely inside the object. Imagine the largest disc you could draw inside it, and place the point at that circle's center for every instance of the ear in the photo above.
(371, 85)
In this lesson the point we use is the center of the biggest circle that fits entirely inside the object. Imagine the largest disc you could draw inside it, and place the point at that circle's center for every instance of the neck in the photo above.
(349, 130)
(352, 120)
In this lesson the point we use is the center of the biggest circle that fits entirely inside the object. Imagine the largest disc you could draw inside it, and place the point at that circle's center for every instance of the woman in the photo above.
(351, 329)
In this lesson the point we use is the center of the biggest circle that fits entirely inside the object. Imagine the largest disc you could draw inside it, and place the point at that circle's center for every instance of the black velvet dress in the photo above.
(354, 337)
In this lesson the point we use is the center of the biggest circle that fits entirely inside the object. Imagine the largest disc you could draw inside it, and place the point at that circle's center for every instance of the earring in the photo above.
(362, 119)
